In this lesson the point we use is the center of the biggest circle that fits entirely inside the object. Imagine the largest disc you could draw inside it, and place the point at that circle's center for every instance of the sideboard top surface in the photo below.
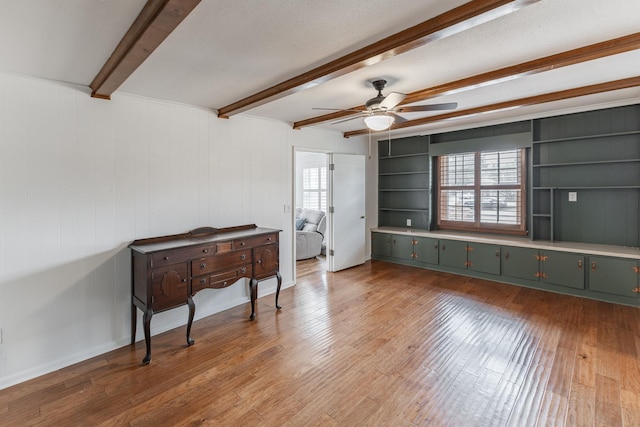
(185, 240)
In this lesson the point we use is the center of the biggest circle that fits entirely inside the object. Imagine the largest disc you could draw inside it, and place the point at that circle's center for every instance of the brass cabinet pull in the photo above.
(506, 255)
(593, 266)
(579, 264)
(498, 253)
(636, 290)
(435, 246)
(444, 246)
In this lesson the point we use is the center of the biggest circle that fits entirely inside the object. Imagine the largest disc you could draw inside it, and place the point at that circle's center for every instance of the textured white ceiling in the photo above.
(226, 50)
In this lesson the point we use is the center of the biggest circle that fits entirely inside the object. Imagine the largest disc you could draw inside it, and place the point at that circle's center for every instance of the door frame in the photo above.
(294, 194)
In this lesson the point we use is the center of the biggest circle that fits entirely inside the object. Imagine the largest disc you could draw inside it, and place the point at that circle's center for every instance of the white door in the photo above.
(346, 211)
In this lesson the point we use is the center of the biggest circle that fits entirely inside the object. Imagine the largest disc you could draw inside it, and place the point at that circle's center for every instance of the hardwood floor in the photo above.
(375, 345)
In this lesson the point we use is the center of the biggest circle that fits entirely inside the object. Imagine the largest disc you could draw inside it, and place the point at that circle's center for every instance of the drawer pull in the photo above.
(205, 251)
(593, 266)
(498, 253)
(243, 257)
(506, 255)
(203, 281)
(444, 247)
(184, 280)
(203, 266)
(580, 264)
(166, 258)
(435, 246)
(243, 270)
(224, 283)
(242, 243)
(268, 239)
(259, 261)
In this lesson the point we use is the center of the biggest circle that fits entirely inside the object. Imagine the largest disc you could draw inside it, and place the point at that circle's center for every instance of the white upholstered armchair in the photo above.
(310, 230)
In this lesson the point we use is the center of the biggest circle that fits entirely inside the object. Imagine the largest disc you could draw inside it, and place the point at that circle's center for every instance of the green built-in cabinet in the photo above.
(403, 182)
(607, 278)
(583, 175)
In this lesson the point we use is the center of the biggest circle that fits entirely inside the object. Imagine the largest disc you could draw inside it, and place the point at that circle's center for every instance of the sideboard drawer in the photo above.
(220, 280)
(218, 262)
(251, 242)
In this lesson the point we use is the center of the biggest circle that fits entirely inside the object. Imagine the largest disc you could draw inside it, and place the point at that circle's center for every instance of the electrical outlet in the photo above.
(408, 222)
(573, 196)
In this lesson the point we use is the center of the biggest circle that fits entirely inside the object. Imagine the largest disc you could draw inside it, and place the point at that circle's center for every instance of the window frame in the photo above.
(477, 188)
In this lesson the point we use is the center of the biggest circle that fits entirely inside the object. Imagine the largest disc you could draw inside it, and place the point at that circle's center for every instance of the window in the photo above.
(482, 191)
(314, 188)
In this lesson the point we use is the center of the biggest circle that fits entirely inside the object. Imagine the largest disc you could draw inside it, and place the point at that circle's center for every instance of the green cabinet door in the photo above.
(425, 250)
(616, 276)
(521, 263)
(453, 253)
(483, 257)
(562, 268)
(402, 247)
(380, 244)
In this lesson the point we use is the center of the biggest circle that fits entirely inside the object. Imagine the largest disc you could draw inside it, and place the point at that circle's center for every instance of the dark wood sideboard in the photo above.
(167, 271)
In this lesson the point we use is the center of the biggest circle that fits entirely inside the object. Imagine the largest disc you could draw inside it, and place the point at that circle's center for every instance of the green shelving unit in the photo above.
(403, 182)
(586, 177)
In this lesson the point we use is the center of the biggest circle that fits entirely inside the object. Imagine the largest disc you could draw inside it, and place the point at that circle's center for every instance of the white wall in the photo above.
(80, 178)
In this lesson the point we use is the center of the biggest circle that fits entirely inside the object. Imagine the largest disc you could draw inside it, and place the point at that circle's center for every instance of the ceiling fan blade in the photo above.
(391, 100)
(338, 109)
(429, 107)
(350, 118)
(397, 118)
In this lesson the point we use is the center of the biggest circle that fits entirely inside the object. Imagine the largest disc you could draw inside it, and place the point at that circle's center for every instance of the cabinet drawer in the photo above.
(216, 263)
(252, 242)
(181, 255)
(220, 280)
(169, 286)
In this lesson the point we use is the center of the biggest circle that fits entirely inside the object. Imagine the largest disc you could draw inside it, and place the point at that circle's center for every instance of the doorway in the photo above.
(329, 200)
(310, 212)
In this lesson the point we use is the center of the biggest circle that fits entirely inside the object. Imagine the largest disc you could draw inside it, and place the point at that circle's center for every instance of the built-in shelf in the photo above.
(593, 187)
(594, 162)
(403, 210)
(576, 138)
(399, 156)
(403, 173)
(403, 189)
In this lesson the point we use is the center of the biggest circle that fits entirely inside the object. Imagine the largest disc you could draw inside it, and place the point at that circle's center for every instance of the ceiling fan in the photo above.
(381, 112)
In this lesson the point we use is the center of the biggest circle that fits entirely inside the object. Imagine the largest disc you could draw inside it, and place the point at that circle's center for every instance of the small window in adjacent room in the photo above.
(482, 191)
(314, 188)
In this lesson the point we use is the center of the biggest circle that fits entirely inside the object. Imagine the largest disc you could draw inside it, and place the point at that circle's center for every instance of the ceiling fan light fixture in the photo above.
(379, 121)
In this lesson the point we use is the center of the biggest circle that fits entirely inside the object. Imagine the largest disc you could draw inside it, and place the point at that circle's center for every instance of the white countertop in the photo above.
(524, 242)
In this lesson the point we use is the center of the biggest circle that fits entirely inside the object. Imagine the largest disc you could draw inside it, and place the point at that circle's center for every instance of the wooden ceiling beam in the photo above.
(454, 21)
(153, 25)
(522, 102)
(563, 59)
